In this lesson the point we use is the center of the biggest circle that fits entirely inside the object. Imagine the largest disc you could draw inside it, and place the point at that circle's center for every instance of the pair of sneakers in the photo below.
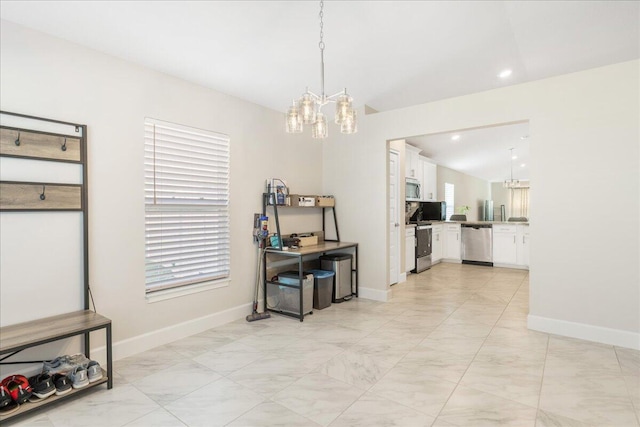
(65, 364)
(43, 387)
(14, 391)
(81, 377)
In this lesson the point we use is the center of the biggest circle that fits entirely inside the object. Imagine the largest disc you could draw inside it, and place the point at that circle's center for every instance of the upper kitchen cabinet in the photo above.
(429, 179)
(413, 165)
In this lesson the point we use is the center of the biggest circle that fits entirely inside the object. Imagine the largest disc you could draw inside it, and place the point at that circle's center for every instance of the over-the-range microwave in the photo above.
(412, 189)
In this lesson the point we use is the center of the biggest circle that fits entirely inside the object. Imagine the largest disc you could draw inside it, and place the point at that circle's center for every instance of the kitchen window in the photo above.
(187, 239)
(449, 190)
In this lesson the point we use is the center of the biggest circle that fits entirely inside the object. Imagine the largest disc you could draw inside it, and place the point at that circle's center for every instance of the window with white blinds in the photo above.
(449, 190)
(186, 205)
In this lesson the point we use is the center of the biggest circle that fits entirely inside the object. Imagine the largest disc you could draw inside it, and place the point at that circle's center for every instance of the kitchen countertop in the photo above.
(474, 223)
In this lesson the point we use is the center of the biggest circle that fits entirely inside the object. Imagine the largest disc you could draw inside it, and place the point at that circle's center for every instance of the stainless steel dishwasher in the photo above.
(477, 244)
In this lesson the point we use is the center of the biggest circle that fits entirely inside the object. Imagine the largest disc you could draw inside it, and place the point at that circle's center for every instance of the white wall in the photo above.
(48, 77)
(584, 128)
(468, 191)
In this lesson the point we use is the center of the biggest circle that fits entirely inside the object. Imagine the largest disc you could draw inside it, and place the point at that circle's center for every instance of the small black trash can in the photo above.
(322, 288)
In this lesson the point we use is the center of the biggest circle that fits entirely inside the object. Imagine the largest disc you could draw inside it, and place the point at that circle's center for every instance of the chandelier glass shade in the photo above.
(307, 109)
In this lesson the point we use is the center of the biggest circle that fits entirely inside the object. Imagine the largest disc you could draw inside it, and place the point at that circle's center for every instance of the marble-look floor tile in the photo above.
(601, 400)
(454, 344)
(269, 375)
(461, 328)
(109, 408)
(226, 362)
(569, 358)
(373, 411)
(549, 419)
(629, 361)
(39, 420)
(526, 341)
(215, 404)
(198, 344)
(518, 381)
(307, 353)
(468, 407)
(448, 366)
(340, 336)
(157, 418)
(441, 423)
(267, 342)
(355, 368)
(532, 361)
(173, 383)
(139, 366)
(271, 414)
(633, 387)
(415, 389)
(318, 397)
(384, 348)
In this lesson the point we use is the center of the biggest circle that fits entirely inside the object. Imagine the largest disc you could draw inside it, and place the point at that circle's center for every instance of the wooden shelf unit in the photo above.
(302, 254)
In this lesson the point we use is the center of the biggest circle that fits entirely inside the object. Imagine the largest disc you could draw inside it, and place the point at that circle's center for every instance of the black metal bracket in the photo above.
(17, 141)
(64, 146)
(42, 196)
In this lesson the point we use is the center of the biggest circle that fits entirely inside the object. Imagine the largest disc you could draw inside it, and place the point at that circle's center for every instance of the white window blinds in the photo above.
(449, 190)
(186, 205)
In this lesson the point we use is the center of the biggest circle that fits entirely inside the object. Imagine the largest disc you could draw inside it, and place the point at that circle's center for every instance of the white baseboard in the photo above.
(583, 331)
(514, 266)
(149, 340)
(452, 261)
(402, 278)
(374, 294)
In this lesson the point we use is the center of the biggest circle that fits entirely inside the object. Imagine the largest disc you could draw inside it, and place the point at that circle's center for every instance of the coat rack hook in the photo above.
(64, 146)
(42, 196)
(17, 141)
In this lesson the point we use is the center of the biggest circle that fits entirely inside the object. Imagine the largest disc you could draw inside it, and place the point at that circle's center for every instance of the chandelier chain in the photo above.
(321, 44)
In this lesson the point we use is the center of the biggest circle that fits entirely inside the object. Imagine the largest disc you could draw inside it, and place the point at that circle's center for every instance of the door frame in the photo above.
(399, 242)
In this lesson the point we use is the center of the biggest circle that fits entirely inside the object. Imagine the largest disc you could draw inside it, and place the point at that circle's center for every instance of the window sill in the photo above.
(185, 290)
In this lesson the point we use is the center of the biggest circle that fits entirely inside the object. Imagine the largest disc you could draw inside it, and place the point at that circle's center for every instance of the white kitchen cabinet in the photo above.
(522, 238)
(413, 166)
(452, 242)
(437, 244)
(505, 246)
(410, 249)
(429, 179)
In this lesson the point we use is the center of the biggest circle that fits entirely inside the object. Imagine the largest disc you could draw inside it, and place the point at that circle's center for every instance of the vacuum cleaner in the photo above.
(260, 234)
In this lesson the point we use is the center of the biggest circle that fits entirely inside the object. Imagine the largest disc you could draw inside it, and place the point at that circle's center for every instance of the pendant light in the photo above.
(511, 183)
(307, 110)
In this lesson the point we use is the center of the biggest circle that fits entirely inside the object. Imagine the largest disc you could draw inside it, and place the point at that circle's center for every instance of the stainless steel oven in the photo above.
(423, 247)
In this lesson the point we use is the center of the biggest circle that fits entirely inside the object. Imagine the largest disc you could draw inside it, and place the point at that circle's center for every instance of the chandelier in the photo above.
(307, 110)
(511, 183)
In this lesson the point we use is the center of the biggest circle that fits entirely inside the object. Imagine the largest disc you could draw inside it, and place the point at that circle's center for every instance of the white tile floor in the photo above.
(450, 349)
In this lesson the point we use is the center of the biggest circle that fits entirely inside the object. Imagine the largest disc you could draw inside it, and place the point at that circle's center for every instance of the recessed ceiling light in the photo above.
(505, 73)
(524, 137)
(455, 137)
(514, 157)
(523, 165)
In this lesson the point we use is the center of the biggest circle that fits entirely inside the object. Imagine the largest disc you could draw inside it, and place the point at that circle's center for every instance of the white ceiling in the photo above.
(483, 152)
(388, 54)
